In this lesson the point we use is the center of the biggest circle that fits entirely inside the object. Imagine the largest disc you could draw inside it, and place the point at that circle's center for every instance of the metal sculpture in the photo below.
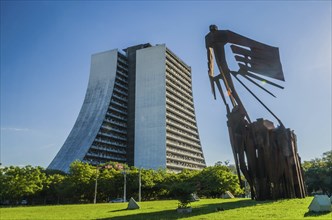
(266, 155)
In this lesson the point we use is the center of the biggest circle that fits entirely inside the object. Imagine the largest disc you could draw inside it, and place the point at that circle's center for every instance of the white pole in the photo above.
(139, 185)
(125, 186)
(96, 185)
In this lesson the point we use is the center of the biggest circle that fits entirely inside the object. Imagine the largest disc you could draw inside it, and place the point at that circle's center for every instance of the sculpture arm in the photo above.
(238, 39)
(211, 70)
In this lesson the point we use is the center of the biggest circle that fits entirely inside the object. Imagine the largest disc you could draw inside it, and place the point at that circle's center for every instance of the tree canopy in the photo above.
(38, 185)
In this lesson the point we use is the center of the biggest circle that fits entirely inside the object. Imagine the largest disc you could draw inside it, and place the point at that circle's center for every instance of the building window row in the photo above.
(114, 144)
(106, 128)
(121, 84)
(179, 95)
(120, 97)
(118, 109)
(121, 72)
(188, 102)
(174, 102)
(105, 155)
(180, 113)
(118, 103)
(183, 158)
(123, 60)
(120, 91)
(107, 148)
(184, 152)
(116, 116)
(115, 127)
(122, 79)
(111, 135)
(178, 73)
(182, 133)
(184, 140)
(182, 165)
(108, 142)
(174, 126)
(122, 63)
(178, 61)
(116, 122)
(184, 146)
(177, 81)
(178, 85)
(93, 161)
(181, 126)
(173, 116)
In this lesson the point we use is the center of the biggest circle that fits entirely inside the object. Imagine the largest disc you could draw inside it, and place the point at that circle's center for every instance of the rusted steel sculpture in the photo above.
(266, 155)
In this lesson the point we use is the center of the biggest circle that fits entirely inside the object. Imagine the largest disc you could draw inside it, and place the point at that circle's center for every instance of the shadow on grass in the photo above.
(119, 210)
(197, 210)
(313, 214)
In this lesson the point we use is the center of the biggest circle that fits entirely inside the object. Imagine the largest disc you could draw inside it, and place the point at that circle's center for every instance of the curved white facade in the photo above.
(92, 114)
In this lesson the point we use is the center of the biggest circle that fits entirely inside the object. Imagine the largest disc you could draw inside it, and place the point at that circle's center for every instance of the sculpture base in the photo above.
(267, 156)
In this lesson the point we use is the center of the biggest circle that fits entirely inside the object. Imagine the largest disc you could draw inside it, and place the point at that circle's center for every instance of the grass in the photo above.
(159, 210)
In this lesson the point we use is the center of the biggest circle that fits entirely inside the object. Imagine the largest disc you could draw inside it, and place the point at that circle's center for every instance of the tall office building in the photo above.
(139, 110)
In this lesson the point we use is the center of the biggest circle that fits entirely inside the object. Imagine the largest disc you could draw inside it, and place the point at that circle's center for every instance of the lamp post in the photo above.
(139, 185)
(96, 185)
(124, 184)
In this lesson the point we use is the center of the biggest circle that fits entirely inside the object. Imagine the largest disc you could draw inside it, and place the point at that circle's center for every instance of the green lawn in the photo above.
(204, 209)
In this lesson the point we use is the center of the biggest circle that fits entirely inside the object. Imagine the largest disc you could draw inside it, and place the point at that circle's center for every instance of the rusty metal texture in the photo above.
(266, 155)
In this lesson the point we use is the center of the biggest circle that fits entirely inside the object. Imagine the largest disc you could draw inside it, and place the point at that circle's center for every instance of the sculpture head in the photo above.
(213, 27)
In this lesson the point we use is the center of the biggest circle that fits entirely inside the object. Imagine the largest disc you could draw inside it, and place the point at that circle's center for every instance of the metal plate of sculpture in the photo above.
(266, 155)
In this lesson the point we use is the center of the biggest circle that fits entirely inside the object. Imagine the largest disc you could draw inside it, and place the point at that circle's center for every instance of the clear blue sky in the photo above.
(45, 62)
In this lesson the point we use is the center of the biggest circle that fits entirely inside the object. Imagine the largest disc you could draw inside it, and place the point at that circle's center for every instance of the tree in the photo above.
(183, 191)
(215, 180)
(82, 178)
(110, 184)
(54, 182)
(18, 183)
(148, 184)
(48, 194)
(318, 173)
(181, 186)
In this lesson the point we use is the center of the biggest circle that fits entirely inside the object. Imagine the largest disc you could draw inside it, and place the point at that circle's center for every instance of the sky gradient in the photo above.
(45, 63)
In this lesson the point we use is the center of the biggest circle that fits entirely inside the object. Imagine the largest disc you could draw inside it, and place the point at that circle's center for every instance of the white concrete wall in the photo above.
(94, 108)
(150, 109)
